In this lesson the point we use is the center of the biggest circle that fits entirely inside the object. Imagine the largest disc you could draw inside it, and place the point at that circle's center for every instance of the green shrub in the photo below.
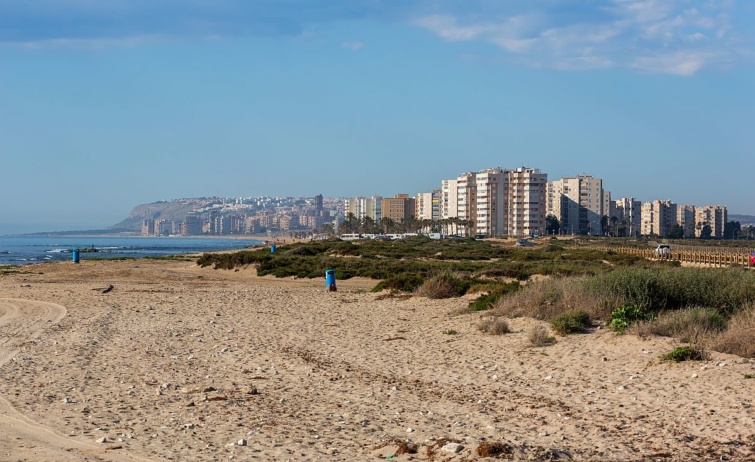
(450, 332)
(487, 301)
(400, 282)
(571, 322)
(684, 353)
(623, 317)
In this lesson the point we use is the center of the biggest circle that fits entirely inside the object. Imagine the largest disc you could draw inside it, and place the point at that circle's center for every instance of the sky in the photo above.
(107, 104)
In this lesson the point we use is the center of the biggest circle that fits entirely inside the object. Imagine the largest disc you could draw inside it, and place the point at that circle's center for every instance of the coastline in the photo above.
(181, 362)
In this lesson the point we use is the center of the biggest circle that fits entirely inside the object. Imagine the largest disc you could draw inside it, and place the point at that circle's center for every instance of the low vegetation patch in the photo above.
(443, 285)
(450, 332)
(571, 322)
(684, 353)
(539, 337)
(739, 336)
(400, 282)
(10, 269)
(171, 258)
(487, 449)
(622, 318)
(493, 325)
(494, 293)
(689, 325)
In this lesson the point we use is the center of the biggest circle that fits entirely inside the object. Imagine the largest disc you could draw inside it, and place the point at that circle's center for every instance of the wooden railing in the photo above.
(709, 256)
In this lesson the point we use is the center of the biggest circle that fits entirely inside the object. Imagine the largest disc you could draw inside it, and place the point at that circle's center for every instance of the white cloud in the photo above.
(353, 46)
(679, 37)
(684, 64)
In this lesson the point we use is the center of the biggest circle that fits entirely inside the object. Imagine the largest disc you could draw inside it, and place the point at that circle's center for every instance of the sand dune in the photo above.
(184, 363)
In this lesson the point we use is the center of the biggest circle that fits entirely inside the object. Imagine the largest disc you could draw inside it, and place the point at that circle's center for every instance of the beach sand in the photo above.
(183, 363)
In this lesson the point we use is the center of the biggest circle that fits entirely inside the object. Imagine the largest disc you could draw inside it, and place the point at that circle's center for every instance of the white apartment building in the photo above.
(498, 202)
(450, 199)
(714, 216)
(362, 207)
(490, 186)
(685, 217)
(657, 217)
(428, 205)
(466, 201)
(579, 203)
(626, 215)
(524, 202)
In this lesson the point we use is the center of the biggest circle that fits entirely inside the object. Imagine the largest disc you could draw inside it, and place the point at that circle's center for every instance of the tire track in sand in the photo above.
(21, 438)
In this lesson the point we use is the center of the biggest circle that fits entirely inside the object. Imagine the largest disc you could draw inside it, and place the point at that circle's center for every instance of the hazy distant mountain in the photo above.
(173, 210)
(742, 219)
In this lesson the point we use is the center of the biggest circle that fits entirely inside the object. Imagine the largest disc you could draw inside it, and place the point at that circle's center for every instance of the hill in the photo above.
(742, 219)
(163, 210)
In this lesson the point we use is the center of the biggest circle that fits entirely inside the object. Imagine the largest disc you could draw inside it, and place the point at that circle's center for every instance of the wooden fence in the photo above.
(709, 256)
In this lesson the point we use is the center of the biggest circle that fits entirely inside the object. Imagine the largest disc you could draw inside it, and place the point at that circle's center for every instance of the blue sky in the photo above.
(105, 104)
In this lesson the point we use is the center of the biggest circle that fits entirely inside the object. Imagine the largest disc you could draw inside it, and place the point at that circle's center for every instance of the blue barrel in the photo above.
(330, 280)
(75, 255)
(272, 248)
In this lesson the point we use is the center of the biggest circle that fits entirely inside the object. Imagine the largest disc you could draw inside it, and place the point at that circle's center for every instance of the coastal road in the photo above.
(21, 438)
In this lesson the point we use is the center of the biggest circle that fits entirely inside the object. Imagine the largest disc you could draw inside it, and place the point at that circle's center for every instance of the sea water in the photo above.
(22, 250)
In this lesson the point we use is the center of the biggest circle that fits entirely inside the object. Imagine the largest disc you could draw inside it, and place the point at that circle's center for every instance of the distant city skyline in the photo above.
(112, 104)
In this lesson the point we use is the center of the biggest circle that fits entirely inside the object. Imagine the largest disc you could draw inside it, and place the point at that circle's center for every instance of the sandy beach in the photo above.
(183, 363)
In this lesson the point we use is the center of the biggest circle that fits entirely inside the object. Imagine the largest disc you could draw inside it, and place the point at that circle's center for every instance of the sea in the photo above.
(23, 250)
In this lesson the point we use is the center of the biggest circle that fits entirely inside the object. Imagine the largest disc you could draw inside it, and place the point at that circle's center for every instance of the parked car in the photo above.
(662, 251)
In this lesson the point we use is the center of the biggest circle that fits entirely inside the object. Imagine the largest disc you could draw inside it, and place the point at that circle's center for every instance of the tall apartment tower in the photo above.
(449, 199)
(657, 217)
(362, 207)
(685, 217)
(193, 224)
(148, 227)
(318, 203)
(490, 185)
(524, 202)
(627, 212)
(714, 216)
(428, 205)
(466, 200)
(399, 209)
(579, 203)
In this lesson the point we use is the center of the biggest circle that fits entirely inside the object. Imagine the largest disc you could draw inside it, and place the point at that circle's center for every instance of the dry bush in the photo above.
(493, 449)
(539, 337)
(550, 297)
(493, 325)
(405, 447)
(441, 286)
(690, 325)
(739, 337)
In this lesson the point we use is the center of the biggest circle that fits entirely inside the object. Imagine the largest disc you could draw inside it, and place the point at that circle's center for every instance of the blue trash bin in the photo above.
(75, 255)
(330, 280)
(272, 248)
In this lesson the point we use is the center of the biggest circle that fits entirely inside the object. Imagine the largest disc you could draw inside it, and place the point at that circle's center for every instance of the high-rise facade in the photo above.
(428, 205)
(685, 218)
(362, 207)
(400, 208)
(524, 202)
(489, 190)
(579, 203)
(450, 199)
(714, 216)
(626, 217)
(658, 217)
